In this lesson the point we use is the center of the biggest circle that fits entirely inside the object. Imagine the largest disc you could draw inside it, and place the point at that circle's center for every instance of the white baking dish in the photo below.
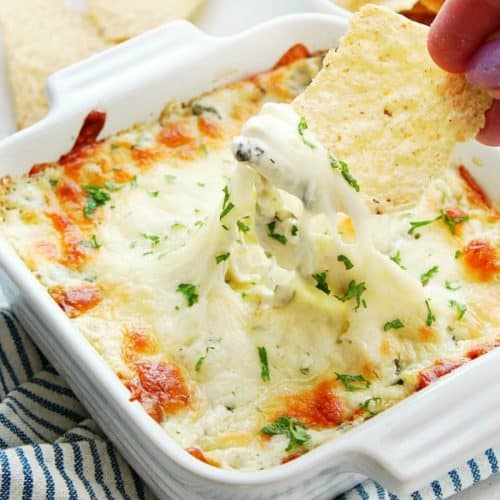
(404, 447)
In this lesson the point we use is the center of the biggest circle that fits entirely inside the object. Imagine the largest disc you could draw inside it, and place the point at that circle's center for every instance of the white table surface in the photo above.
(224, 17)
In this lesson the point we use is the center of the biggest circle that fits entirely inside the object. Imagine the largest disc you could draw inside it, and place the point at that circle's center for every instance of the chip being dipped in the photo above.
(383, 106)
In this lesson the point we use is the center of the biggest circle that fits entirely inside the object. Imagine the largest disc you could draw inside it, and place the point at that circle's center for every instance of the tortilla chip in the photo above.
(432, 5)
(42, 36)
(119, 20)
(396, 5)
(383, 106)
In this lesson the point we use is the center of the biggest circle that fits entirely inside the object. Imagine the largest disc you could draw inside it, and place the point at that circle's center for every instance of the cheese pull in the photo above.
(292, 163)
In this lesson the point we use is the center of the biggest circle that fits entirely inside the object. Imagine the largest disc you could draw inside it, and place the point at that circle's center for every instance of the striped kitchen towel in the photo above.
(51, 449)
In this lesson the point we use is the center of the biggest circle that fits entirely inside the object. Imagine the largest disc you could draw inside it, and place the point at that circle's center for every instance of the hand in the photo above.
(465, 37)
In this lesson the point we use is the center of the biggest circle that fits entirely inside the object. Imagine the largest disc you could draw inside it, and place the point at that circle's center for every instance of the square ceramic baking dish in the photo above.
(404, 447)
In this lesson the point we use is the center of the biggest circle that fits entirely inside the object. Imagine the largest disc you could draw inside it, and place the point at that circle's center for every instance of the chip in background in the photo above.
(41, 37)
(119, 20)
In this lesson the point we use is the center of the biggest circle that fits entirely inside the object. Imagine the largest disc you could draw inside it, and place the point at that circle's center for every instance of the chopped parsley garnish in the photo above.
(449, 286)
(458, 254)
(345, 260)
(170, 178)
(344, 171)
(420, 223)
(425, 277)
(321, 283)
(281, 238)
(244, 228)
(264, 364)
(294, 231)
(227, 206)
(430, 315)
(222, 257)
(201, 184)
(372, 405)
(190, 293)
(396, 258)
(353, 382)
(354, 291)
(154, 194)
(204, 149)
(395, 324)
(448, 219)
(304, 371)
(461, 308)
(96, 197)
(451, 221)
(302, 127)
(132, 244)
(201, 360)
(94, 243)
(133, 182)
(292, 428)
(112, 186)
(153, 238)
(198, 223)
(178, 225)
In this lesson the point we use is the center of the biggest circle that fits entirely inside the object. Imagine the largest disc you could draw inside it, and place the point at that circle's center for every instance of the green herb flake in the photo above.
(244, 228)
(264, 364)
(222, 257)
(449, 286)
(178, 225)
(425, 277)
(395, 324)
(353, 383)
(294, 231)
(304, 371)
(430, 315)
(53, 182)
(354, 291)
(112, 186)
(461, 308)
(190, 293)
(372, 406)
(342, 166)
(281, 238)
(132, 244)
(458, 254)
(397, 260)
(114, 146)
(321, 283)
(420, 223)
(227, 206)
(153, 238)
(292, 428)
(201, 184)
(451, 221)
(94, 243)
(170, 179)
(96, 197)
(302, 127)
(201, 360)
(345, 260)
(198, 223)
(133, 182)
(154, 194)
(204, 149)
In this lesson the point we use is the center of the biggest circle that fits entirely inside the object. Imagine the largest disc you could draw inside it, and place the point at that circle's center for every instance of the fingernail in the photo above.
(484, 67)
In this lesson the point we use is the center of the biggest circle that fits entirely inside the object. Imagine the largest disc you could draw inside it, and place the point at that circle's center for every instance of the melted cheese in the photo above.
(161, 228)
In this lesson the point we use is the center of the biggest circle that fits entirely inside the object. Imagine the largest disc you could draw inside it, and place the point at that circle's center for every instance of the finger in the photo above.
(484, 66)
(459, 29)
(490, 133)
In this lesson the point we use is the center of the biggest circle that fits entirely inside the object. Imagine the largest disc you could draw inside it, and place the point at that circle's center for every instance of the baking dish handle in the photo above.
(122, 61)
(435, 430)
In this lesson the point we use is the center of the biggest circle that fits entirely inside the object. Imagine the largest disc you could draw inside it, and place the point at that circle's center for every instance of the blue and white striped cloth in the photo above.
(51, 449)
